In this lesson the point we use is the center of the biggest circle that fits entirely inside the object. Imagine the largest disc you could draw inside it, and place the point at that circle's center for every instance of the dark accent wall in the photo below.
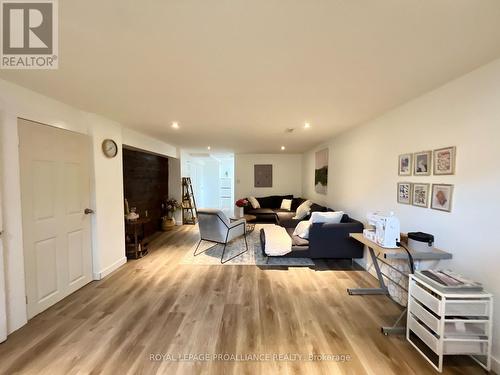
(145, 183)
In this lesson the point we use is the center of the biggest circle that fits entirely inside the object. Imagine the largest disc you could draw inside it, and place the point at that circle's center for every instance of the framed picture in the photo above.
(321, 172)
(422, 163)
(444, 161)
(441, 197)
(405, 164)
(404, 192)
(263, 175)
(420, 195)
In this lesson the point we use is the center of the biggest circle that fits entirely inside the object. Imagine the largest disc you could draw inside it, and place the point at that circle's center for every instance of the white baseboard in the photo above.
(108, 270)
(495, 365)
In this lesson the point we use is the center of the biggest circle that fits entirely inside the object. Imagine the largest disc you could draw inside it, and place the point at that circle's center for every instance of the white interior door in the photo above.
(3, 306)
(55, 191)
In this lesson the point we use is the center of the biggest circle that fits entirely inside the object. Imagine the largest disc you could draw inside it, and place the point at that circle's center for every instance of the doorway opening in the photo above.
(150, 182)
(212, 177)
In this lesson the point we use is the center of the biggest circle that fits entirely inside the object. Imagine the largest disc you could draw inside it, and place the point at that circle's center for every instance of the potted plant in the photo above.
(168, 209)
(240, 207)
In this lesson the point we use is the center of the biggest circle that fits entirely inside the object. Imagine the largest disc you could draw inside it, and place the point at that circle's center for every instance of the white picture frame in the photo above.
(404, 192)
(444, 161)
(405, 165)
(422, 163)
(420, 195)
(442, 197)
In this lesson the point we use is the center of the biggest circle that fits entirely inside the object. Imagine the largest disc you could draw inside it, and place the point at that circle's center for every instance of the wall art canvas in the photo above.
(420, 195)
(405, 164)
(321, 172)
(444, 161)
(422, 163)
(263, 175)
(404, 192)
(441, 197)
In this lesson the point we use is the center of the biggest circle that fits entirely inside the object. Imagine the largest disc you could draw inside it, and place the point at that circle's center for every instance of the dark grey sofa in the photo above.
(330, 241)
(270, 208)
(270, 211)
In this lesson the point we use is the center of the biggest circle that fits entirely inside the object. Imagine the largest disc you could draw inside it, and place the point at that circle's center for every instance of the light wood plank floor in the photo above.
(157, 306)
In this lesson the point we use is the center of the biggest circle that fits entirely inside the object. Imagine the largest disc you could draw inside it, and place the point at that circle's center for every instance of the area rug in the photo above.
(253, 256)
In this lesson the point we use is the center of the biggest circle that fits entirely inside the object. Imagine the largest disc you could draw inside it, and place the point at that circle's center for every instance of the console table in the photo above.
(382, 254)
(136, 246)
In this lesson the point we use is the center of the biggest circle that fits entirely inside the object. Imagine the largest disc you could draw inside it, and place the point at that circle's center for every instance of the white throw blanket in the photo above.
(278, 242)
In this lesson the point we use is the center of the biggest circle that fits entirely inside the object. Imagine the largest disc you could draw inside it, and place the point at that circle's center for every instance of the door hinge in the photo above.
(26, 299)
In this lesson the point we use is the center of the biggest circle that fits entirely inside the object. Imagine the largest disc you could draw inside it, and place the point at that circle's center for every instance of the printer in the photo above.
(387, 230)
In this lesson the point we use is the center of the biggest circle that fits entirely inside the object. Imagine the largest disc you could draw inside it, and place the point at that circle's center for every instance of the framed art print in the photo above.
(321, 171)
(420, 195)
(422, 163)
(404, 192)
(441, 197)
(405, 164)
(263, 175)
(444, 161)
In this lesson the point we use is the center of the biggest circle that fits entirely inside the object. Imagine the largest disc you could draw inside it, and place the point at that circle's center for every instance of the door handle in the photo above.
(88, 211)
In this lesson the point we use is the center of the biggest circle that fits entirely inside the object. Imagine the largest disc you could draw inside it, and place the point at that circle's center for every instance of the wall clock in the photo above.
(109, 148)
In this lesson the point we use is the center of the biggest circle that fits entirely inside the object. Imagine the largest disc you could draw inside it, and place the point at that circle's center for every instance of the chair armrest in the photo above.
(236, 223)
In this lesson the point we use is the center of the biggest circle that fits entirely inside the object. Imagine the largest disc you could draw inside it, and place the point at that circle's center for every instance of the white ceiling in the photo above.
(236, 73)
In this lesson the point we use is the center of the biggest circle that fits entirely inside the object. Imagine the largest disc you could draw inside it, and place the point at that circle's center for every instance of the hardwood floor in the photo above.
(155, 306)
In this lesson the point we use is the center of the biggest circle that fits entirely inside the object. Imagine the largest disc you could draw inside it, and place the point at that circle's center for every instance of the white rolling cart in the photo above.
(449, 323)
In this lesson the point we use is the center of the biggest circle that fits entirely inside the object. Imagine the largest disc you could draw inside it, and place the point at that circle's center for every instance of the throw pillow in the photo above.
(303, 210)
(302, 229)
(286, 204)
(296, 202)
(254, 202)
(327, 217)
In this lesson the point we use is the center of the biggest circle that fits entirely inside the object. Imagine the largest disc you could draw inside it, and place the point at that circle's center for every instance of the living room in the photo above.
(286, 174)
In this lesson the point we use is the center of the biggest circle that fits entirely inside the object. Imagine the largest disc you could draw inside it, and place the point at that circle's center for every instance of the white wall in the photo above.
(3, 305)
(175, 184)
(287, 174)
(108, 227)
(138, 140)
(108, 247)
(363, 171)
(205, 172)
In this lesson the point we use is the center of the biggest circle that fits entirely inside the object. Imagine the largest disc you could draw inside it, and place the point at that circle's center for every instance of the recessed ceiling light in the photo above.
(282, 148)
(307, 125)
(208, 148)
(175, 125)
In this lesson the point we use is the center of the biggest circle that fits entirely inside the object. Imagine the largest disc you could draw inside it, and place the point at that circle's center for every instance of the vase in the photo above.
(240, 212)
(167, 224)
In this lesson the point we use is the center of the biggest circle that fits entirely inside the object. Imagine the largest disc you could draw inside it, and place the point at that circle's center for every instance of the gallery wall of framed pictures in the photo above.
(439, 162)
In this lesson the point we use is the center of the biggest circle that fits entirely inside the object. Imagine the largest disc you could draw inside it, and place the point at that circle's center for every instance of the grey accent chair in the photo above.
(216, 227)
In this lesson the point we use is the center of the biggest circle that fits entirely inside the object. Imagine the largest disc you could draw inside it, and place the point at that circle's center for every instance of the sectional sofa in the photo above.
(270, 211)
(329, 241)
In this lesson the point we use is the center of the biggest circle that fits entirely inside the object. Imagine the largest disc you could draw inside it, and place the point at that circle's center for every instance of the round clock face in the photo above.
(109, 148)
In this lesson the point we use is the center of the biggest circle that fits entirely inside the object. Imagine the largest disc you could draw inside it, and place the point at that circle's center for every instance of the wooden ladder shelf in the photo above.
(188, 202)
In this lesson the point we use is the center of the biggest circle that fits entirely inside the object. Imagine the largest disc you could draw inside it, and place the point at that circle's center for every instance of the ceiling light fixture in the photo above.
(307, 125)
(282, 148)
(208, 148)
(175, 125)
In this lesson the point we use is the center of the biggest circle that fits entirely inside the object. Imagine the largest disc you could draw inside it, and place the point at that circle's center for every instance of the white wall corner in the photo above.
(108, 270)
(12, 224)
(495, 365)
